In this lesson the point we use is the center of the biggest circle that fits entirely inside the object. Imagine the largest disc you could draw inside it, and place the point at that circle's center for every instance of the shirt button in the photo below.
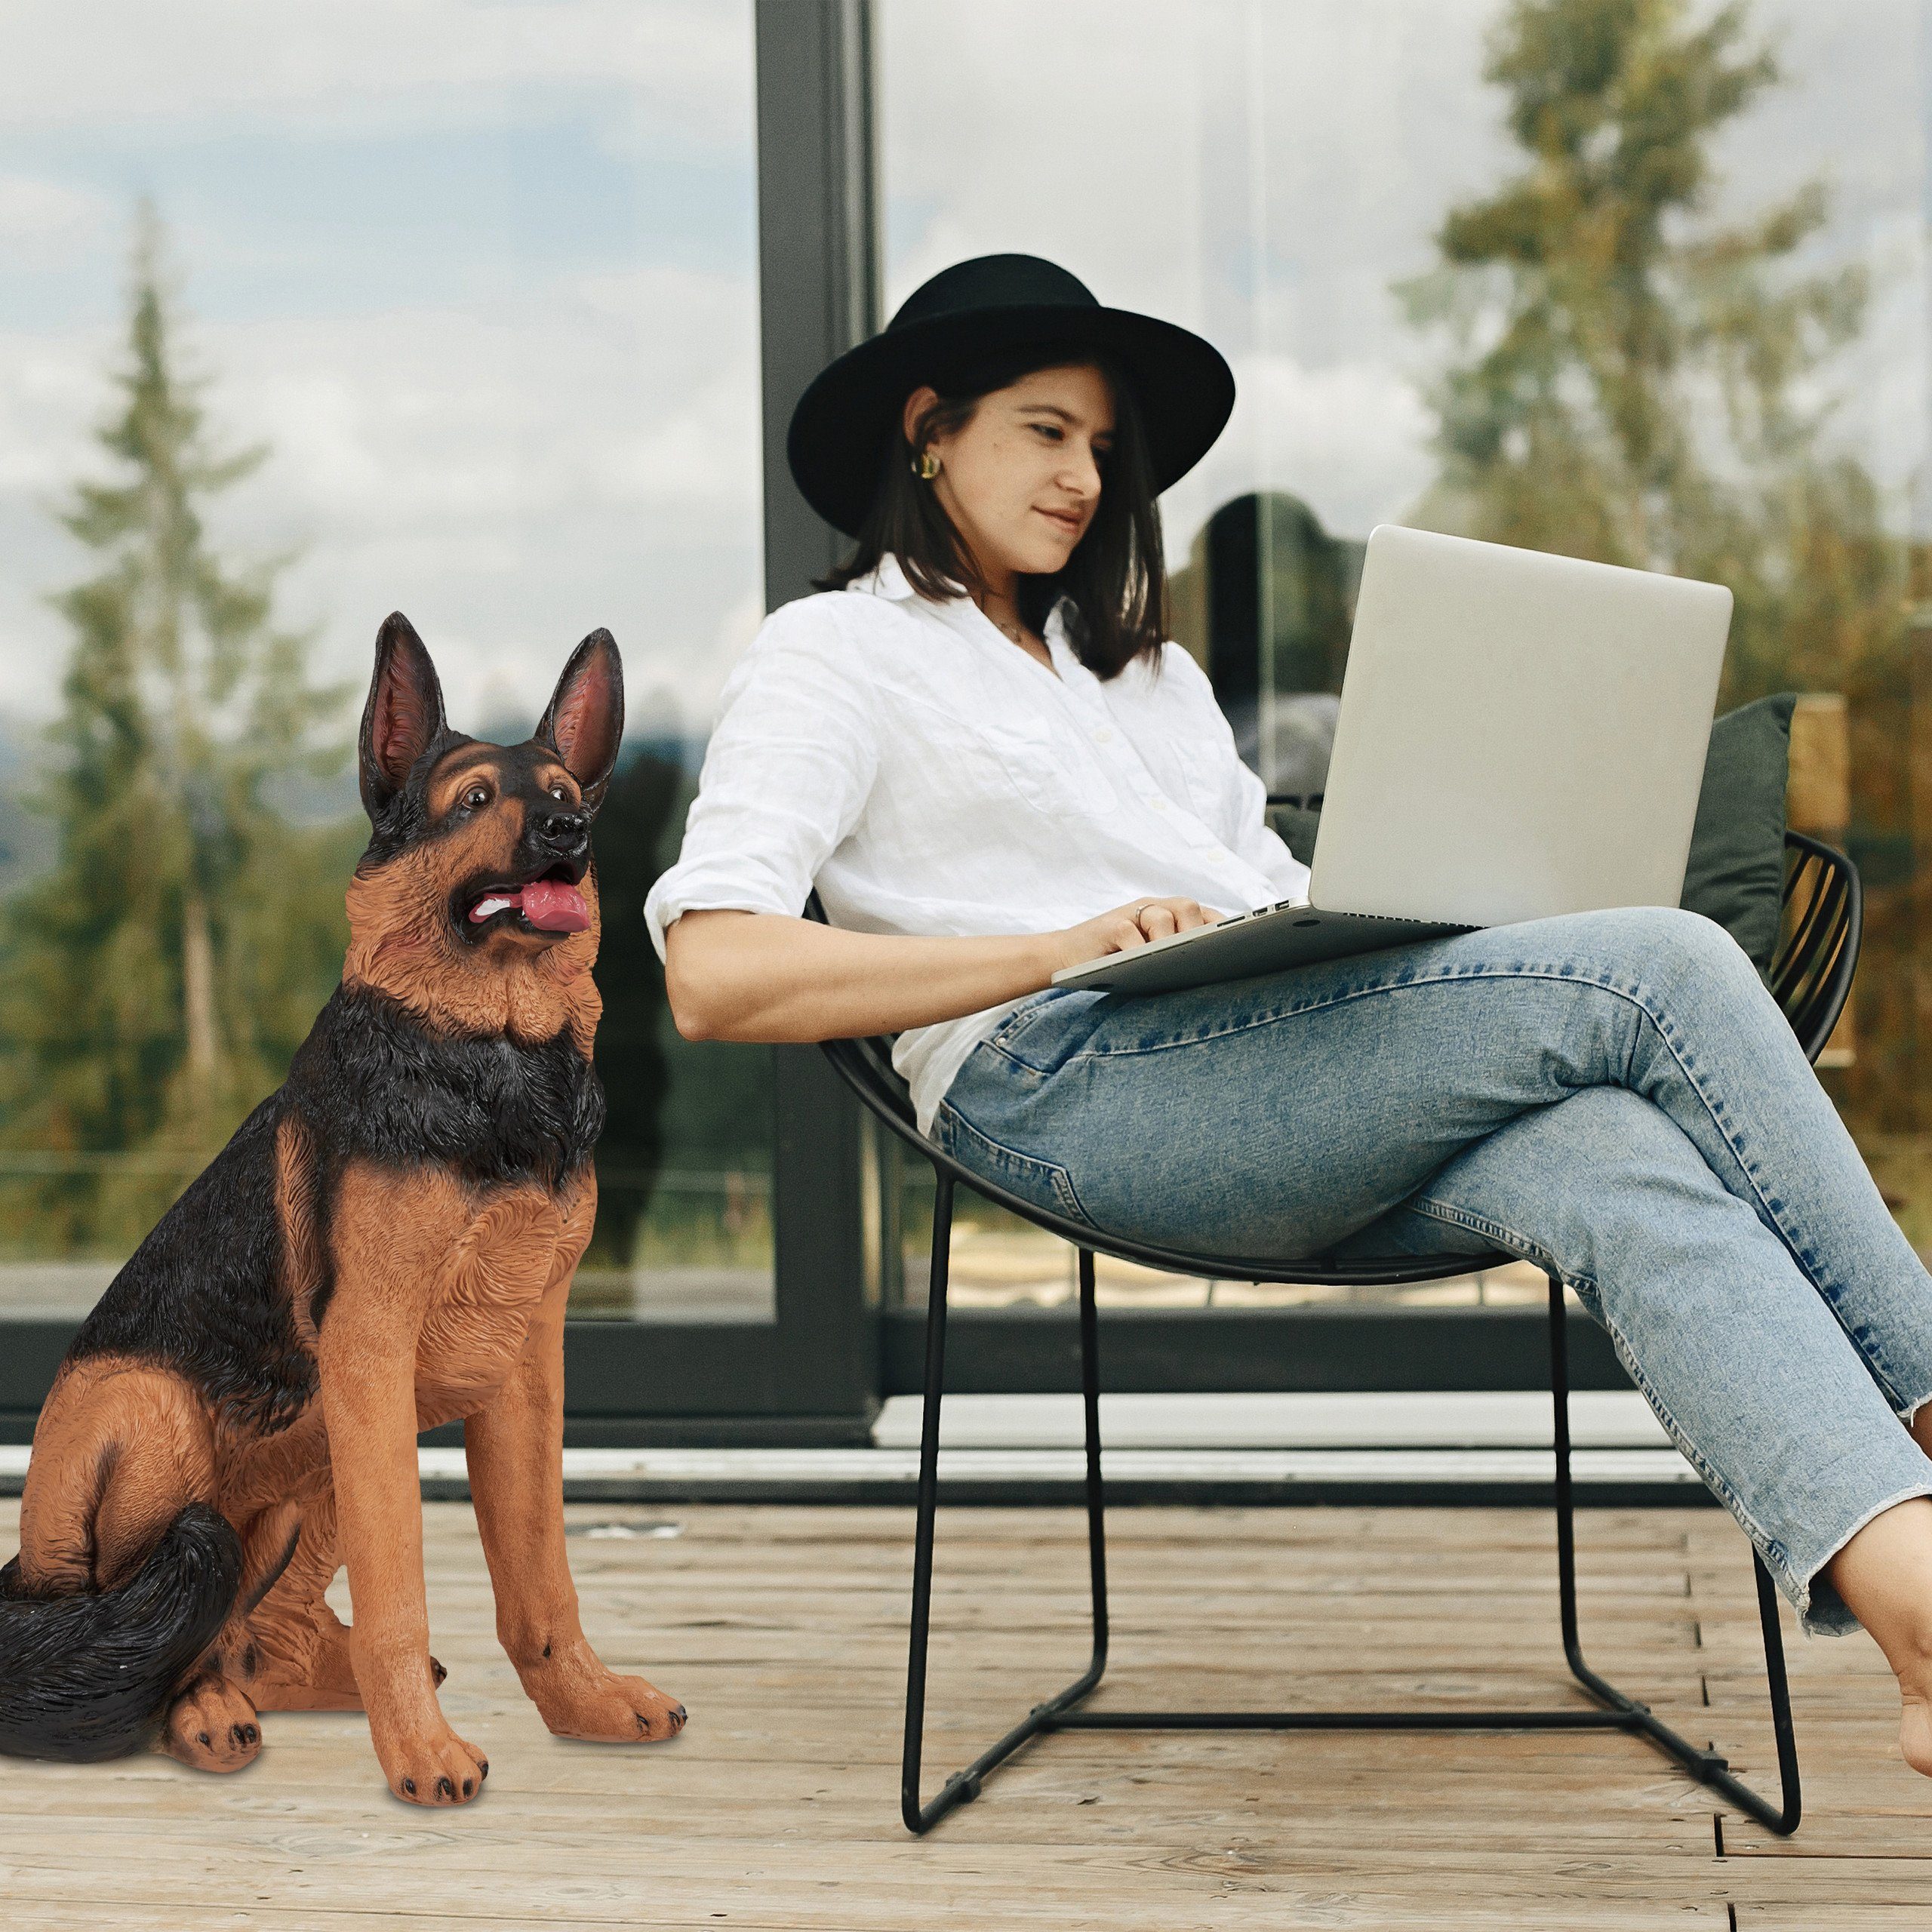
(1159, 804)
(1103, 736)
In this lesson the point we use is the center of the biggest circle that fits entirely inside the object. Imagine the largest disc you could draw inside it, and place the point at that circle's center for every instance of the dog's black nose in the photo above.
(566, 833)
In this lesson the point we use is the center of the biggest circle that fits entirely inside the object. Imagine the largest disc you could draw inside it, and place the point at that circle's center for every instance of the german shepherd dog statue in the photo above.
(386, 1244)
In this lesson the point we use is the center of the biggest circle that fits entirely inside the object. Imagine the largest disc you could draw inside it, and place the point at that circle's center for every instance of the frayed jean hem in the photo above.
(1821, 1612)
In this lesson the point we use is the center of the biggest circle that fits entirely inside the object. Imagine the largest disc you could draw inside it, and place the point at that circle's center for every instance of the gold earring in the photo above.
(927, 468)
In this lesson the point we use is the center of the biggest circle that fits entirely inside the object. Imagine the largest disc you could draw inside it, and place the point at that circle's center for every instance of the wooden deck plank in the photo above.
(784, 1630)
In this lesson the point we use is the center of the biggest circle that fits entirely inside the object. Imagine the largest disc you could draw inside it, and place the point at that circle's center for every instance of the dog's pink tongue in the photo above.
(552, 905)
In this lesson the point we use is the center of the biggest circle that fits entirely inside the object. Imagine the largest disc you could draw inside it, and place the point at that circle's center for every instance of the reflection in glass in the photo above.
(457, 314)
(683, 1168)
(1630, 286)
(1000, 1261)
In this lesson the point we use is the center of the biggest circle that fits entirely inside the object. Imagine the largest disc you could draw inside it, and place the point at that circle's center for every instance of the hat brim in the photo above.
(843, 424)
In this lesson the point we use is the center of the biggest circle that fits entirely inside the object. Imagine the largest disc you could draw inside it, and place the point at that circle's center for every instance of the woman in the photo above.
(978, 747)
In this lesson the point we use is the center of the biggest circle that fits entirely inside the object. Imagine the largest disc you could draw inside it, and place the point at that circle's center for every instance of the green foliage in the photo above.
(1635, 382)
(155, 978)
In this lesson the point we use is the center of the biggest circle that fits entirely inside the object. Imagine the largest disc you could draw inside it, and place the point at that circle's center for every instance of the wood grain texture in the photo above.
(777, 1809)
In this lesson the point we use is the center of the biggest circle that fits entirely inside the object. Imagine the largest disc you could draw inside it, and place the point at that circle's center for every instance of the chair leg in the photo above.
(1707, 1766)
(964, 1787)
(1096, 1512)
(1617, 1711)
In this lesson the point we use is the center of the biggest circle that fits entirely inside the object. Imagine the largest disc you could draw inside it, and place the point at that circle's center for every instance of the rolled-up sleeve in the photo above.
(793, 754)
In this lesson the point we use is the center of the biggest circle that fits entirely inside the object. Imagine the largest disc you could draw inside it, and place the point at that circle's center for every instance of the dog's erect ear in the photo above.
(585, 722)
(403, 716)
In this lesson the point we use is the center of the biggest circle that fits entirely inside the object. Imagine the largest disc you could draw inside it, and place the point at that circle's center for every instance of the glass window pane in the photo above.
(1346, 197)
(479, 283)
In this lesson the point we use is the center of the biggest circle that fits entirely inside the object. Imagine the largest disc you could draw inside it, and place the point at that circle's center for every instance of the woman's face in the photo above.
(1021, 478)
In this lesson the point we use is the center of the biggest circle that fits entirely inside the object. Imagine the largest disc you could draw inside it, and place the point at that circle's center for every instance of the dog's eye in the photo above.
(560, 790)
(476, 798)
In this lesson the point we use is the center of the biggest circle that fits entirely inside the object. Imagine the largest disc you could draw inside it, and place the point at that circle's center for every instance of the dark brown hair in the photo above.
(1114, 579)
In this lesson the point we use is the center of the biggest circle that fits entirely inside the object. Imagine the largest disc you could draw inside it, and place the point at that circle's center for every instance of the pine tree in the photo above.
(158, 976)
(1636, 383)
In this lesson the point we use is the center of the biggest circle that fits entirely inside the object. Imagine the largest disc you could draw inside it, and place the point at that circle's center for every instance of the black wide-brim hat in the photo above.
(845, 421)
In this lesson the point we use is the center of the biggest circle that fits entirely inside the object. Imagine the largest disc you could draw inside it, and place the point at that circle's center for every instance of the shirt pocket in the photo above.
(1049, 771)
(1192, 767)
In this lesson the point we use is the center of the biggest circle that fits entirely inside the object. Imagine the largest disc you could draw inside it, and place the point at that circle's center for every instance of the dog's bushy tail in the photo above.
(89, 1676)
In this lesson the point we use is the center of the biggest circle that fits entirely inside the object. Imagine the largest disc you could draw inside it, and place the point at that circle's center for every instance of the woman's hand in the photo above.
(1125, 927)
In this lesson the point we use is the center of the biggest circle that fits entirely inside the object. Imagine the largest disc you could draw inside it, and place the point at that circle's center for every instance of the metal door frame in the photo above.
(811, 1374)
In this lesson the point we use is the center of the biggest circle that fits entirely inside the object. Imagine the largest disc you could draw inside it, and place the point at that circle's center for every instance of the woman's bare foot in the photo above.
(1915, 1729)
(1884, 1575)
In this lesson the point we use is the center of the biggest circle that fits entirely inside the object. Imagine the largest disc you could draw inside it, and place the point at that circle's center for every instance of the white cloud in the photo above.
(513, 480)
(51, 389)
(685, 63)
(444, 415)
(1349, 439)
(42, 222)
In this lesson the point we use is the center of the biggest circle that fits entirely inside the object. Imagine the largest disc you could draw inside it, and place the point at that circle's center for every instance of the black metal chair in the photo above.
(1810, 978)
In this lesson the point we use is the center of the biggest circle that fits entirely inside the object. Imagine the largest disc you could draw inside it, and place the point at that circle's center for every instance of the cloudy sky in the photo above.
(1263, 172)
(481, 271)
(481, 274)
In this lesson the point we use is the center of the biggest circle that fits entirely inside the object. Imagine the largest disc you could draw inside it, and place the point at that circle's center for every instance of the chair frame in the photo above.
(1810, 978)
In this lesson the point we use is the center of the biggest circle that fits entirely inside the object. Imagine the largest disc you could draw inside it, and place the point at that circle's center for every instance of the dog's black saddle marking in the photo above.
(205, 1294)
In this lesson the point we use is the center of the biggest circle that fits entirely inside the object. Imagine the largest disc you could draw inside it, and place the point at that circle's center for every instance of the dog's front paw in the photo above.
(610, 1709)
(433, 1769)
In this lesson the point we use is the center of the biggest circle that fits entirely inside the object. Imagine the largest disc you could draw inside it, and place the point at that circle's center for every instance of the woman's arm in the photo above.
(762, 976)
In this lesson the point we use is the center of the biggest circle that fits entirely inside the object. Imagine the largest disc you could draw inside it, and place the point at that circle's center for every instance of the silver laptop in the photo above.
(1521, 735)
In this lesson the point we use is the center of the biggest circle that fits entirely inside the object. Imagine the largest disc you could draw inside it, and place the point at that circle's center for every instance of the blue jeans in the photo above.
(1613, 1095)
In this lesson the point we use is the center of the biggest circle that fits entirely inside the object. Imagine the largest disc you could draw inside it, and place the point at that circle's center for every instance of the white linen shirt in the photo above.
(932, 777)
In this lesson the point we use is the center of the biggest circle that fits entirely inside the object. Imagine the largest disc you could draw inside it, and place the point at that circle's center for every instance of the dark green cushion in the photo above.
(1736, 875)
